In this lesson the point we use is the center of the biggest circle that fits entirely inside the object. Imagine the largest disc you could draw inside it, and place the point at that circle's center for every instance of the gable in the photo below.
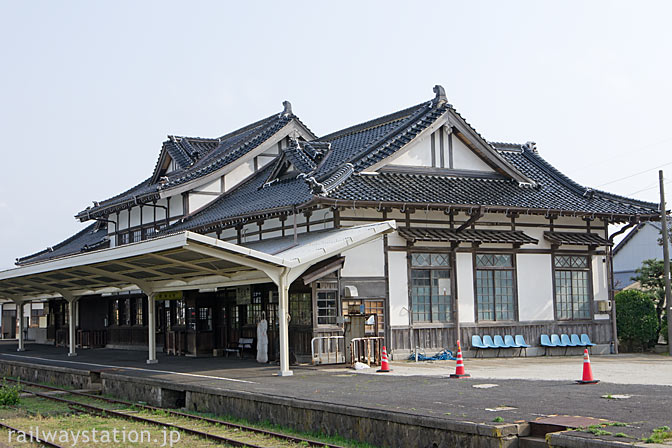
(439, 148)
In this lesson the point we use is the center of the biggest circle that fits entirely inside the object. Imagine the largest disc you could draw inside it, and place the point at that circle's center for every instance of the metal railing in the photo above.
(327, 350)
(367, 350)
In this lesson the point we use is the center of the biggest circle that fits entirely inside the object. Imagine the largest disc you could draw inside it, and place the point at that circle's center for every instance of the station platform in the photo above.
(431, 402)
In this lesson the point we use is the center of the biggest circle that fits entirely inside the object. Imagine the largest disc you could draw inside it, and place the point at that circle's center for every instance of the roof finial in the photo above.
(531, 146)
(440, 97)
(288, 108)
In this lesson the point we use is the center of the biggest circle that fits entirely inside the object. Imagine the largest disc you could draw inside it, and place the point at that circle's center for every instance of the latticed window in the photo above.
(138, 311)
(572, 287)
(495, 291)
(300, 308)
(431, 298)
(254, 308)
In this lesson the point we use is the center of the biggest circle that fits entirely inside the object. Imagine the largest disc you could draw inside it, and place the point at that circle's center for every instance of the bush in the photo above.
(636, 320)
(9, 394)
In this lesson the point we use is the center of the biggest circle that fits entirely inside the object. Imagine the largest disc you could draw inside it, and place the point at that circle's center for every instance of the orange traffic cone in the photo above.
(384, 366)
(587, 371)
(459, 369)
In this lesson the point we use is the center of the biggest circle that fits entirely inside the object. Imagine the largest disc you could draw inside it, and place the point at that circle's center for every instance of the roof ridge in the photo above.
(578, 188)
(376, 122)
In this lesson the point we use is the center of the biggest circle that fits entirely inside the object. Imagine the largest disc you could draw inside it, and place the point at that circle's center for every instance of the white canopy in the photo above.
(185, 261)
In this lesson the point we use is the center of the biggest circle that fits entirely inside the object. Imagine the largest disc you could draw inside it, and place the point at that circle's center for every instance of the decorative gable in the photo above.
(443, 149)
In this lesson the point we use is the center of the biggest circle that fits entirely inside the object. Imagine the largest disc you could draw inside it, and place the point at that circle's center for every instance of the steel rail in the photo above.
(102, 411)
(213, 421)
(30, 436)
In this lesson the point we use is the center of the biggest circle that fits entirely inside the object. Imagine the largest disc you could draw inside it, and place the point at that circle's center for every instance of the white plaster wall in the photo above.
(176, 205)
(367, 260)
(419, 153)
(263, 160)
(161, 211)
(600, 283)
(238, 174)
(147, 214)
(212, 187)
(393, 239)
(272, 223)
(535, 287)
(535, 232)
(123, 219)
(398, 284)
(228, 234)
(135, 216)
(465, 287)
(197, 201)
(465, 159)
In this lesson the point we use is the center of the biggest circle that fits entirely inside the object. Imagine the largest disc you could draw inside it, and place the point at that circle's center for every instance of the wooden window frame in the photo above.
(453, 284)
(591, 293)
(513, 268)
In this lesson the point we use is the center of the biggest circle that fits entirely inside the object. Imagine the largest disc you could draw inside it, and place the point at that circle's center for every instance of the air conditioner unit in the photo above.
(603, 306)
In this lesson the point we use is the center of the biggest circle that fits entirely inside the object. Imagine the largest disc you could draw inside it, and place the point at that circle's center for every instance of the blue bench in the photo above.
(487, 342)
(565, 341)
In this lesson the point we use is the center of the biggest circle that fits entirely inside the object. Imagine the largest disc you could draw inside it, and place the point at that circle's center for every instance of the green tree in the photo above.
(636, 319)
(652, 278)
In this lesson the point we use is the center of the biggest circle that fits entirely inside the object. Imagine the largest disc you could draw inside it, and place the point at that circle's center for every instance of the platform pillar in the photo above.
(283, 321)
(72, 324)
(151, 326)
(19, 313)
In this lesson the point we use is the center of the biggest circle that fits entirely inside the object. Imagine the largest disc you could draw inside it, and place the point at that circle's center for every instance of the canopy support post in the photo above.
(19, 306)
(72, 302)
(283, 315)
(151, 327)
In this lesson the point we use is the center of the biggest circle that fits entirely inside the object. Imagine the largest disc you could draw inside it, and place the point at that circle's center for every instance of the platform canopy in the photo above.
(181, 261)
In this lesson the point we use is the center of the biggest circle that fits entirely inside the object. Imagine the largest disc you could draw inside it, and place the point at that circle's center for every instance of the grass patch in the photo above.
(621, 434)
(266, 425)
(498, 419)
(659, 435)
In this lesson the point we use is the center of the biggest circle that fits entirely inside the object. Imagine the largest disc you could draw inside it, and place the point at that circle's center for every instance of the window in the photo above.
(137, 235)
(430, 288)
(138, 312)
(149, 232)
(127, 312)
(572, 287)
(205, 319)
(180, 316)
(300, 308)
(123, 239)
(495, 290)
(114, 312)
(326, 308)
(254, 308)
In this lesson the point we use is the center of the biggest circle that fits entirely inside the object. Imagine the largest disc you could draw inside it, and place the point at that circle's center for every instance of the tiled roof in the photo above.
(466, 235)
(196, 157)
(576, 238)
(92, 237)
(554, 192)
(337, 177)
(253, 196)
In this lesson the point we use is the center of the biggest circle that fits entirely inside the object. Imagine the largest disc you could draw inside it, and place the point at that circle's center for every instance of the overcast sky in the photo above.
(89, 90)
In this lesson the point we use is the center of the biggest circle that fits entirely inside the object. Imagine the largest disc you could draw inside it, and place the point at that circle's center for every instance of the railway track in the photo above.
(28, 435)
(158, 421)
